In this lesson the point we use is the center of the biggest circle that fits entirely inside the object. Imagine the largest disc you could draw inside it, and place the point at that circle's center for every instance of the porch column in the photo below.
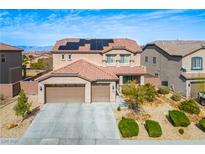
(120, 82)
(142, 80)
(188, 89)
(88, 92)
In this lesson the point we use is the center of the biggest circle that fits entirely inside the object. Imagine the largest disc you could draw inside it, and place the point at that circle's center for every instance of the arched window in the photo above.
(196, 63)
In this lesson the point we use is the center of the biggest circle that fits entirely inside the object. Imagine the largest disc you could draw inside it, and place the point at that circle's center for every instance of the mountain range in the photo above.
(35, 48)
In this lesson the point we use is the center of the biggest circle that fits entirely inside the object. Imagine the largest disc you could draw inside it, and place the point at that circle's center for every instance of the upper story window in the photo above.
(110, 59)
(146, 59)
(124, 59)
(154, 60)
(196, 63)
(63, 57)
(3, 58)
(69, 57)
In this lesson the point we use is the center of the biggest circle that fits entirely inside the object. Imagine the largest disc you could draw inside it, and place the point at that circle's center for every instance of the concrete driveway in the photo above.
(73, 123)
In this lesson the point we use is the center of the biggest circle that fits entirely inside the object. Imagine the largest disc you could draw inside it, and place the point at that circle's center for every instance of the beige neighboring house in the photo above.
(90, 70)
(179, 64)
(10, 69)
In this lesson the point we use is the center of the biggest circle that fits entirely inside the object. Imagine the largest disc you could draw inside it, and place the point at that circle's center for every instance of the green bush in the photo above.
(190, 106)
(163, 90)
(150, 92)
(128, 127)
(179, 118)
(202, 124)
(153, 128)
(176, 97)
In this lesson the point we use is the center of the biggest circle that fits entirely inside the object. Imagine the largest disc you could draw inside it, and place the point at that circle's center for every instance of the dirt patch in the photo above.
(159, 113)
(8, 117)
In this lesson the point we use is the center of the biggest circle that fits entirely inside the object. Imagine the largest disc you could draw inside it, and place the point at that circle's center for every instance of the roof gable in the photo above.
(178, 47)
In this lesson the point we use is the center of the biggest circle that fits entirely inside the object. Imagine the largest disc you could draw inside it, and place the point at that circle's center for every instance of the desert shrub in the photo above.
(163, 90)
(128, 127)
(181, 131)
(179, 118)
(118, 108)
(190, 106)
(150, 92)
(133, 94)
(176, 97)
(22, 107)
(202, 124)
(153, 128)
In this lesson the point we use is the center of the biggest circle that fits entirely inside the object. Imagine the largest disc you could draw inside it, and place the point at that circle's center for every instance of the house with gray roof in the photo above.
(180, 64)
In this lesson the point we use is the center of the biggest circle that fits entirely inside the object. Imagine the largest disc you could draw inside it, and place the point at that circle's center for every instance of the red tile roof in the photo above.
(120, 43)
(92, 72)
(87, 70)
(126, 70)
(6, 47)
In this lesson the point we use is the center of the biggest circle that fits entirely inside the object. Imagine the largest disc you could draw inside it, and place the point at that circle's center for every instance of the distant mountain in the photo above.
(35, 48)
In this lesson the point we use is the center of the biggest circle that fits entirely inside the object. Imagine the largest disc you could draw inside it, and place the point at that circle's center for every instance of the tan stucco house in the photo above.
(90, 70)
(10, 69)
(179, 64)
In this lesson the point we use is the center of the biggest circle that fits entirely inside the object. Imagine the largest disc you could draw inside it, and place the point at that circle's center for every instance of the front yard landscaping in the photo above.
(12, 126)
(128, 127)
(153, 128)
(178, 118)
(175, 122)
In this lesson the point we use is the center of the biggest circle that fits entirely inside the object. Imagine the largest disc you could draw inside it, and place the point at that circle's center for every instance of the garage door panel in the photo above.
(196, 87)
(101, 93)
(65, 94)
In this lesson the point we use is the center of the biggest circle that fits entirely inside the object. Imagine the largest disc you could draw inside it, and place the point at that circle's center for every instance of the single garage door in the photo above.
(65, 93)
(101, 92)
(197, 87)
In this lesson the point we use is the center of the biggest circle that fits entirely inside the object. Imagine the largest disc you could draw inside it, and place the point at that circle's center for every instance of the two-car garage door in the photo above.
(76, 93)
(65, 93)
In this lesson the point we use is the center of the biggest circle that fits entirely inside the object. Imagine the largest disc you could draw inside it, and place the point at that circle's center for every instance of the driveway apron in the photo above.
(72, 123)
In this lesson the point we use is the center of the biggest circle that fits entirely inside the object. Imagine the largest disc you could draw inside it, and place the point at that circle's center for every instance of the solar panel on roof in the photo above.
(95, 44)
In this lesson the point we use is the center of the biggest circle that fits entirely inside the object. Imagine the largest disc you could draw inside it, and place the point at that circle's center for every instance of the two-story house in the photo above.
(10, 68)
(90, 70)
(179, 64)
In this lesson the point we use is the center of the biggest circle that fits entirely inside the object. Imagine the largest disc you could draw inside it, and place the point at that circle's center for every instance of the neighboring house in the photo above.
(10, 68)
(90, 70)
(179, 64)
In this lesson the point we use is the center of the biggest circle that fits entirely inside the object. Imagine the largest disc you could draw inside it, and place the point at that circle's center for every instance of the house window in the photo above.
(146, 59)
(156, 74)
(196, 63)
(69, 57)
(124, 59)
(110, 59)
(63, 57)
(3, 58)
(154, 60)
(165, 83)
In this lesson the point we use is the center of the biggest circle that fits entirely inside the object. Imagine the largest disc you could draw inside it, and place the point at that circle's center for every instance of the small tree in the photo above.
(22, 108)
(150, 92)
(134, 94)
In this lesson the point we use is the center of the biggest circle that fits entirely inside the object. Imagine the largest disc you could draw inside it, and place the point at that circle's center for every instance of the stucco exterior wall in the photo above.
(29, 87)
(58, 62)
(98, 59)
(186, 61)
(167, 67)
(10, 70)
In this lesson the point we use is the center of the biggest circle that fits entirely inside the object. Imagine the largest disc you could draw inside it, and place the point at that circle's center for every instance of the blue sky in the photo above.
(44, 27)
